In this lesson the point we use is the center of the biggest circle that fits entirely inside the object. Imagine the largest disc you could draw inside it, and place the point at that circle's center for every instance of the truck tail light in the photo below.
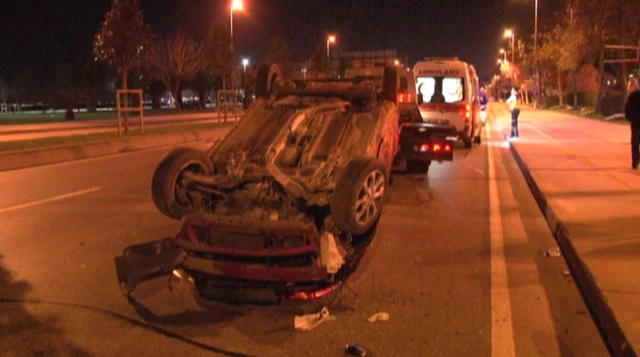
(405, 98)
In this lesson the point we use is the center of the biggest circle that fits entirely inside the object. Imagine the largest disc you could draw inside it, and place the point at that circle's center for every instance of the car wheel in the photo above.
(357, 200)
(265, 79)
(169, 192)
(419, 166)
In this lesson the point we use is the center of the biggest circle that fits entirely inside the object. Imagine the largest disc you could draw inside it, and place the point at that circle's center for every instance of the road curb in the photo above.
(108, 123)
(606, 322)
(15, 160)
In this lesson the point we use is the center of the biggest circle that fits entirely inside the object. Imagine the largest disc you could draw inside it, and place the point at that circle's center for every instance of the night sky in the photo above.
(40, 38)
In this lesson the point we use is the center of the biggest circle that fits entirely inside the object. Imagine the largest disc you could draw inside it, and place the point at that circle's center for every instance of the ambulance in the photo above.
(448, 94)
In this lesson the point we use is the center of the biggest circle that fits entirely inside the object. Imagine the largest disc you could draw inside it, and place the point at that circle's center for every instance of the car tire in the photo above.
(419, 166)
(266, 77)
(359, 194)
(168, 193)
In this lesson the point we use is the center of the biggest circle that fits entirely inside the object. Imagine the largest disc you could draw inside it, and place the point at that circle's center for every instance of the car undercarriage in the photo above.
(286, 203)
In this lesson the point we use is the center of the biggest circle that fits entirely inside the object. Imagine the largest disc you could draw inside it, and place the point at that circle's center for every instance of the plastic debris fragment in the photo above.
(380, 316)
(355, 350)
(311, 321)
(330, 255)
(551, 252)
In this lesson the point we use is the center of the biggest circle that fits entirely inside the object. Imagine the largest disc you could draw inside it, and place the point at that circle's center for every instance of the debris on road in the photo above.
(330, 254)
(311, 321)
(551, 252)
(355, 350)
(380, 316)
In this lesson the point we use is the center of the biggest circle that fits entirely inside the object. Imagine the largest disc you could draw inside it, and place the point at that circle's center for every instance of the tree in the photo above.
(320, 62)
(92, 74)
(219, 59)
(202, 82)
(565, 49)
(573, 46)
(176, 59)
(122, 38)
(4, 92)
(279, 52)
(613, 22)
(343, 64)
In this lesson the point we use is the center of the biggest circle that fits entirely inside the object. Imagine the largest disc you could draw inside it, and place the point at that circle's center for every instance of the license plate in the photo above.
(437, 121)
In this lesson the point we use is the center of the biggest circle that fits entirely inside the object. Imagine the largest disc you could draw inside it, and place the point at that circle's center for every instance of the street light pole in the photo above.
(513, 48)
(535, 57)
(535, 33)
(510, 33)
(331, 39)
(235, 5)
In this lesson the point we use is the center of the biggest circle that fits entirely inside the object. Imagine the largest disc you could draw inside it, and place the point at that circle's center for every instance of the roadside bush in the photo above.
(585, 99)
(612, 104)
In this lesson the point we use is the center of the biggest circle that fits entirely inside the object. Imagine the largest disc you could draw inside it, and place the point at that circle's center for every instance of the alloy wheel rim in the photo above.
(370, 197)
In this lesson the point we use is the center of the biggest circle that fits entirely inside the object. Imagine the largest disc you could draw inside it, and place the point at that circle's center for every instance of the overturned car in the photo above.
(287, 202)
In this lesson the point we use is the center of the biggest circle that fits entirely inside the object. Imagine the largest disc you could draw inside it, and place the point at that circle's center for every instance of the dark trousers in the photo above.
(514, 122)
(635, 143)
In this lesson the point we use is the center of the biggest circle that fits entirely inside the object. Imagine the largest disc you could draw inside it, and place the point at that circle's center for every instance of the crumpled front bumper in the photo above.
(143, 262)
(147, 261)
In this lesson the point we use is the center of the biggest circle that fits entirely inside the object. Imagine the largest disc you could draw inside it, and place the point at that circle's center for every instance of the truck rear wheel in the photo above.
(418, 166)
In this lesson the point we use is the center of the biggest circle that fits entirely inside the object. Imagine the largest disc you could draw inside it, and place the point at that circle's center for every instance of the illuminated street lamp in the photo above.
(245, 63)
(509, 33)
(535, 31)
(396, 62)
(236, 5)
(331, 39)
(535, 57)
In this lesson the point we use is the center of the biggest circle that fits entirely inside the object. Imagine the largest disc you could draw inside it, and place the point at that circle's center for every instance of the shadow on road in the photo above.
(22, 332)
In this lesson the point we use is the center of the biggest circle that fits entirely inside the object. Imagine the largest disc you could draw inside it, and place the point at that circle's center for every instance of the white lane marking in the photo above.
(47, 200)
(502, 343)
(109, 156)
(75, 162)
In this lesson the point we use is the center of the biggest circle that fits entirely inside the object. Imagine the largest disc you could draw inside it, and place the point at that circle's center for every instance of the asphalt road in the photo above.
(456, 263)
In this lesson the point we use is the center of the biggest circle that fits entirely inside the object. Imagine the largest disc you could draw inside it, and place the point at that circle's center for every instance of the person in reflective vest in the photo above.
(512, 101)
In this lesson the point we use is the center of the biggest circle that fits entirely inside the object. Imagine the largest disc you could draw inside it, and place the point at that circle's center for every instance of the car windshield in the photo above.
(441, 89)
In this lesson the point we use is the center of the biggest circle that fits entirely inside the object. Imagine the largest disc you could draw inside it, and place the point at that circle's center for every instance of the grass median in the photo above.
(108, 136)
(58, 116)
